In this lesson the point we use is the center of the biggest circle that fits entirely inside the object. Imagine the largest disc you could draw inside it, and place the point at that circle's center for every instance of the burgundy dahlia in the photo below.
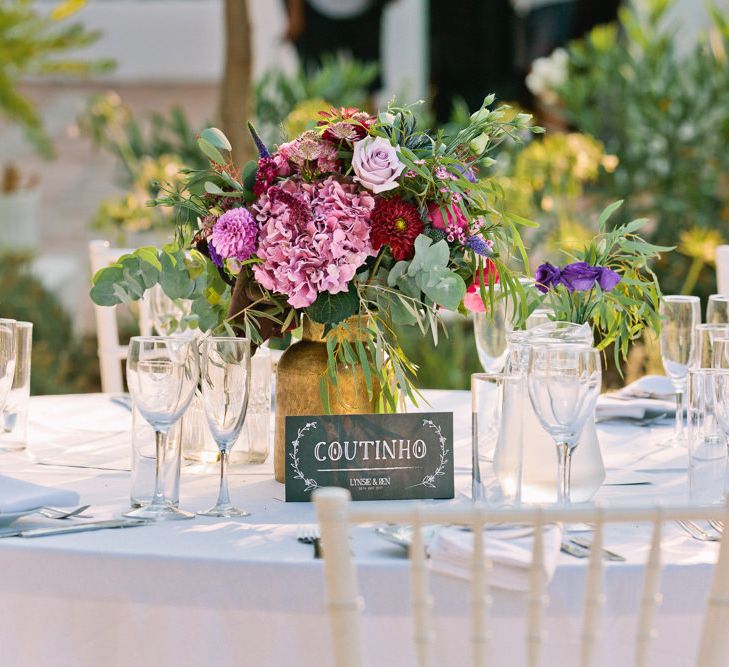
(395, 224)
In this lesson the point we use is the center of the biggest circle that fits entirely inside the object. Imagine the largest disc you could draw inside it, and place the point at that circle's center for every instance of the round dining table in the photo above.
(245, 591)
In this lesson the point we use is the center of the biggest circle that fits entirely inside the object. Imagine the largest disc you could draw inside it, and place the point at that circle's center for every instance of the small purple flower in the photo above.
(441, 173)
(260, 146)
(235, 235)
(480, 246)
(466, 172)
(607, 278)
(547, 277)
(215, 258)
(579, 276)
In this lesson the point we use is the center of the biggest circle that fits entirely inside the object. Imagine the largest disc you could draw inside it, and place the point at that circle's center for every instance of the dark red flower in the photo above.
(396, 224)
(265, 176)
(345, 124)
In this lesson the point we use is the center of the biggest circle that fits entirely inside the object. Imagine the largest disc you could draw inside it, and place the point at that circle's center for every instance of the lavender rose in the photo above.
(607, 279)
(376, 164)
(579, 276)
(547, 277)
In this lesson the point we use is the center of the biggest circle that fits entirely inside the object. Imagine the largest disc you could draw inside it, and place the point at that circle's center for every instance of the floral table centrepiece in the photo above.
(360, 225)
(606, 295)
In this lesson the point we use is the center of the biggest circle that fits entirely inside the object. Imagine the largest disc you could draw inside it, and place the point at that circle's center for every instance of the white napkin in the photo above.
(650, 395)
(19, 496)
(451, 552)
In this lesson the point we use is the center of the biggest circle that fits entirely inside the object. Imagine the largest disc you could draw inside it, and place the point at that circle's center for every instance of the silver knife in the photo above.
(76, 528)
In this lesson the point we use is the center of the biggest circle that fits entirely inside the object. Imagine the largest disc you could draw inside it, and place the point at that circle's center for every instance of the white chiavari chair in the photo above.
(111, 352)
(336, 513)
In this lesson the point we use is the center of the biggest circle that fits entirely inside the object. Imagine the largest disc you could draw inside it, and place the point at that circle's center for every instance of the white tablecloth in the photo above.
(245, 592)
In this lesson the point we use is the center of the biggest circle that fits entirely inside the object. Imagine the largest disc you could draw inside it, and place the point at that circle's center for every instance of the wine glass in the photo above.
(490, 331)
(681, 314)
(717, 309)
(226, 384)
(166, 313)
(564, 382)
(7, 359)
(162, 374)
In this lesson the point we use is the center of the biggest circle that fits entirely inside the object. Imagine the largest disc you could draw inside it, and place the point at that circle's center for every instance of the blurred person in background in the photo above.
(479, 46)
(318, 27)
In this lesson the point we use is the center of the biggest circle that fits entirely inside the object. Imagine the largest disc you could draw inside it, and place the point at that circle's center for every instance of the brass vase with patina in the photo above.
(298, 378)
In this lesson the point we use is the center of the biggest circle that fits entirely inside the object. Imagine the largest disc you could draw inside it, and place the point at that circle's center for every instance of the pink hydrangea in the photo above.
(313, 238)
(234, 234)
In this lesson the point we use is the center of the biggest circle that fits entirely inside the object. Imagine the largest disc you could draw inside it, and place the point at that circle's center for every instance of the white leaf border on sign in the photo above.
(429, 480)
(311, 484)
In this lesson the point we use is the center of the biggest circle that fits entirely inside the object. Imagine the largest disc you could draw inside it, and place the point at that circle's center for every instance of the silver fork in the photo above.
(698, 533)
(55, 513)
(718, 526)
(309, 534)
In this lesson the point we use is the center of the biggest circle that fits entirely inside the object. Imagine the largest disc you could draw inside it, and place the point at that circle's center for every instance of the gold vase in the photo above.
(300, 370)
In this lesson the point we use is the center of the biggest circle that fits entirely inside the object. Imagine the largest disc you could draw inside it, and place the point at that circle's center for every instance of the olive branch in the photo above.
(429, 480)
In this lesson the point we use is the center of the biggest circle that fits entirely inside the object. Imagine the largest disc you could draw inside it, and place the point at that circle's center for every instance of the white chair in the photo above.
(722, 269)
(111, 353)
(336, 513)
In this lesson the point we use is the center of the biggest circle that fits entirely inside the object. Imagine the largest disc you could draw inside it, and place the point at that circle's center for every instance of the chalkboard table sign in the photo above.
(376, 457)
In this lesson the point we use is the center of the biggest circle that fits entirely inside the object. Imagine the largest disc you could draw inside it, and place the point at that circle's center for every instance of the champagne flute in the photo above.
(490, 330)
(717, 309)
(681, 314)
(7, 359)
(564, 382)
(226, 383)
(162, 375)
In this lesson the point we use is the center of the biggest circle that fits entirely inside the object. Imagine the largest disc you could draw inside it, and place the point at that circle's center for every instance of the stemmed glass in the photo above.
(7, 359)
(226, 384)
(166, 313)
(681, 314)
(162, 375)
(490, 331)
(564, 382)
(717, 309)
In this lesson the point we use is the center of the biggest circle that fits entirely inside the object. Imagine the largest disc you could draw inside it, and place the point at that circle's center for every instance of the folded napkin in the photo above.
(19, 496)
(451, 552)
(650, 396)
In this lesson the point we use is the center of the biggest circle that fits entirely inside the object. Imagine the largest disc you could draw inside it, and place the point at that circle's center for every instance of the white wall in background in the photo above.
(182, 40)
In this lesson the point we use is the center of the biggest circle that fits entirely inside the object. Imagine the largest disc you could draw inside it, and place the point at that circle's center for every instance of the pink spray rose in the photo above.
(376, 164)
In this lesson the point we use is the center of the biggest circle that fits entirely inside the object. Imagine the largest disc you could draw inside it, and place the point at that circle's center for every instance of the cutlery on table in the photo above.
(606, 553)
(718, 526)
(571, 549)
(309, 534)
(56, 513)
(697, 532)
(74, 528)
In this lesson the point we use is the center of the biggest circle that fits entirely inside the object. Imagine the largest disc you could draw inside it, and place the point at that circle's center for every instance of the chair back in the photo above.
(722, 269)
(111, 353)
(335, 513)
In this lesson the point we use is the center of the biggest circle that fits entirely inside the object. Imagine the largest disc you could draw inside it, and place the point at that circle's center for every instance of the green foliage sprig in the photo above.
(620, 315)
